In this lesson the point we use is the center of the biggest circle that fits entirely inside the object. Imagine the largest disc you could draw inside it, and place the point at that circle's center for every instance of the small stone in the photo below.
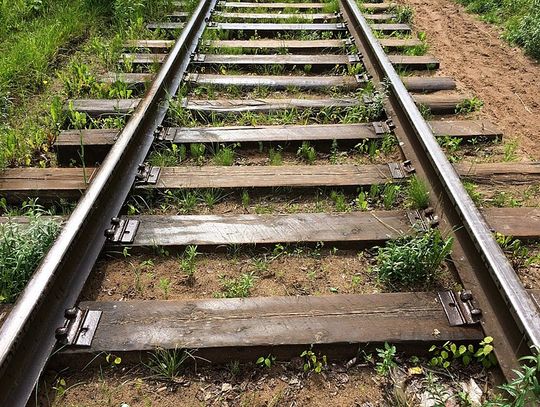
(436, 332)
(226, 387)
(473, 391)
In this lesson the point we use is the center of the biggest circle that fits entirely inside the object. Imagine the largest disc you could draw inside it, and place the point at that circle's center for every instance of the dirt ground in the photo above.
(483, 64)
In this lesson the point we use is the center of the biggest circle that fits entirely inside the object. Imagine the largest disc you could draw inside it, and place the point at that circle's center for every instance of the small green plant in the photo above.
(224, 155)
(472, 190)
(113, 360)
(390, 195)
(417, 193)
(361, 201)
(168, 364)
(307, 152)
(275, 157)
(386, 359)
(451, 146)
(524, 390)
(410, 260)
(245, 199)
(197, 151)
(449, 353)
(212, 196)
(469, 105)
(260, 264)
(188, 262)
(313, 362)
(340, 201)
(266, 362)
(510, 148)
(237, 287)
(165, 286)
(519, 254)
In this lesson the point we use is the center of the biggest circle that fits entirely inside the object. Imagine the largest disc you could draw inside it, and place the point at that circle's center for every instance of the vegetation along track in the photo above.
(353, 162)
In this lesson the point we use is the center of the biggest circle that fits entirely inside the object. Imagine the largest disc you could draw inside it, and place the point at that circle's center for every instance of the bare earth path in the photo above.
(484, 65)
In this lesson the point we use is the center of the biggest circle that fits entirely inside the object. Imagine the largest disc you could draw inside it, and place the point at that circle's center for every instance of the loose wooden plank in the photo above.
(152, 45)
(70, 182)
(133, 79)
(104, 107)
(508, 221)
(284, 133)
(276, 81)
(46, 183)
(98, 141)
(165, 25)
(53, 182)
(415, 62)
(377, 6)
(273, 176)
(465, 128)
(142, 58)
(290, 45)
(523, 223)
(390, 28)
(440, 104)
(428, 84)
(182, 230)
(296, 59)
(276, 16)
(379, 17)
(251, 5)
(271, 321)
(177, 15)
(278, 26)
(264, 105)
(501, 173)
(399, 42)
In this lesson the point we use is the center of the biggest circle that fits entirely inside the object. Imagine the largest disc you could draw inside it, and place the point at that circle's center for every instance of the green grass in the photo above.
(21, 250)
(520, 20)
(412, 260)
(38, 39)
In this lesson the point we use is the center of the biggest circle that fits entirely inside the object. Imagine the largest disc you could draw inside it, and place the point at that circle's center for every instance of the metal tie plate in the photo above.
(459, 308)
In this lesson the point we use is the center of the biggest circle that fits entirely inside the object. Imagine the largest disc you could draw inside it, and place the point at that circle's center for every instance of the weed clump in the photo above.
(21, 249)
(410, 260)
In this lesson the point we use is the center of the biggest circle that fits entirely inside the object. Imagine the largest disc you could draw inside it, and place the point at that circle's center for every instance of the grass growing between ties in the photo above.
(21, 249)
(520, 20)
(412, 260)
(47, 45)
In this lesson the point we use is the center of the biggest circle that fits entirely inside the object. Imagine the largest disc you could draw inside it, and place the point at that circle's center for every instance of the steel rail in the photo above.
(489, 269)
(27, 336)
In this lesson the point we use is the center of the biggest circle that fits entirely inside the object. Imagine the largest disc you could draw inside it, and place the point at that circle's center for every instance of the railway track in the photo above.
(239, 83)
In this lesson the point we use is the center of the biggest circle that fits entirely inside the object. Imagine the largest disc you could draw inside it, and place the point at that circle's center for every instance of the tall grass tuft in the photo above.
(410, 260)
(21, 249)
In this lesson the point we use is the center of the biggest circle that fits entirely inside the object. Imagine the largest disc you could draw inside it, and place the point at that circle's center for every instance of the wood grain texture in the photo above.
(251, 5)
(291, 45)
(152, 45)
(104, 107)
(390, 28)
(399, 42)
(275, 81)
(440, 104)
(274, 16)
(165, 25)
(128, 78)
(377, 6)
(264, 105)
(415, 62)
(372, 227)
(273, 176)
(522, 223)
(428, 84)
(465, 128)
(294, 59)
(272, 321)
(279, 26)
